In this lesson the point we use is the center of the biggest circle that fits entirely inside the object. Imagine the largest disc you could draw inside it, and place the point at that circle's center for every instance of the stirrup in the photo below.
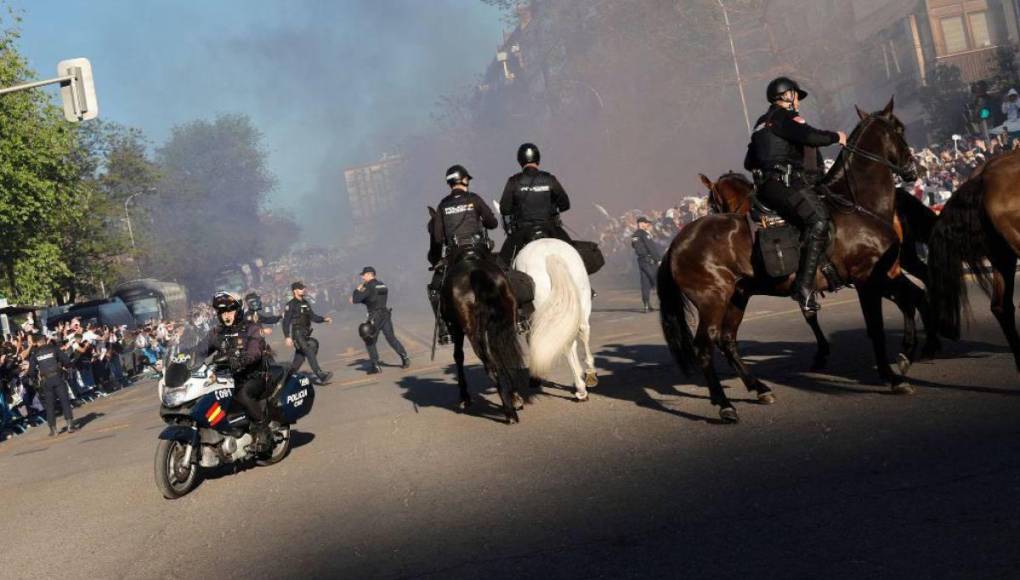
(807, 302)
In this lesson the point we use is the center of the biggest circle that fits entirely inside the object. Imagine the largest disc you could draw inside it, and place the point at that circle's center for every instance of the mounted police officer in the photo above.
(776, 157)
(373, 293)
(242, 347)
(458, 227)
(297, 331)
(46, 365)
(531, 205)
(648, 258)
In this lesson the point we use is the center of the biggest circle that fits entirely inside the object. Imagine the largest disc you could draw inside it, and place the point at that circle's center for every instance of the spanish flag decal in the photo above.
(215, 414)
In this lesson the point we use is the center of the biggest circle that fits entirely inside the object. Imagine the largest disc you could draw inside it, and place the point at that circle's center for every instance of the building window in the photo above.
(953, 34)
(979, 29)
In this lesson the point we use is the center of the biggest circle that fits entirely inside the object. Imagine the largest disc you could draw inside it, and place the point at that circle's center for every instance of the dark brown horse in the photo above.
(980, 222)
(478, 304)
(709, 268)
(731, 193)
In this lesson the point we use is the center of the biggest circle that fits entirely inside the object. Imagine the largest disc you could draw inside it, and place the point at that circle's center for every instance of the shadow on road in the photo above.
(442, 392)
(637, 372)
(84, 420)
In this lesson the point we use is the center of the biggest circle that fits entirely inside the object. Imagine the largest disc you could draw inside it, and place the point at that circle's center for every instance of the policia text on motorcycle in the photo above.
(373, 293)
(297, 330)
(46, 364)
(459, 227)
(776, 158)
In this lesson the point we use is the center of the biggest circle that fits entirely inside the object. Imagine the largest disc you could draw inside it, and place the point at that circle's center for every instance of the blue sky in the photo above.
(330, 83)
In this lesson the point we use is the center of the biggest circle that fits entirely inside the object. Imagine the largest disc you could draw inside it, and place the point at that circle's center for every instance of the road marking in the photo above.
(113, 428)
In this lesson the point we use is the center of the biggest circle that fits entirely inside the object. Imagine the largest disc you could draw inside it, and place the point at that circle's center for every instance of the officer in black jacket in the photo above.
(648, 258)
(373, 293)
(240, 344)
(457, 228)
(776, 157)
(46, 364)
(297, 331)
(531, 205)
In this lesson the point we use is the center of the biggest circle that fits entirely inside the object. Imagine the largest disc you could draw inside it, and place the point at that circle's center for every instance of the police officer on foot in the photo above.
(297, 330)
(459, 227)
(648, 258)
(46, 364)
(531, 205)
(373, 293)
(776, 157)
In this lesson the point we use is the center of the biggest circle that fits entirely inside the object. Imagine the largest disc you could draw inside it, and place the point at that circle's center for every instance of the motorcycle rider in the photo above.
(776, 157)
(531, 205)
(459, 227)
(241, 343)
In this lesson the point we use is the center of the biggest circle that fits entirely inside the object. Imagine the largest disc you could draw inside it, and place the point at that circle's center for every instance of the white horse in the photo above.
(562, 309)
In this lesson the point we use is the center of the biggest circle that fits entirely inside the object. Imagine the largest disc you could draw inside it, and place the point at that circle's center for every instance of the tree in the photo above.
(944, 100)
(1007, 70)
(206, 213)
(39, 182)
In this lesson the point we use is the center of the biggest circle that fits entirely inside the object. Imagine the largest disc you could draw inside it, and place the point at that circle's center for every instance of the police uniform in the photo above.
(244, 349)
(457, 229)
(648, 262)
(297, 325)
(374, 294)
(531, 204)
(46, 364)
(776, 156)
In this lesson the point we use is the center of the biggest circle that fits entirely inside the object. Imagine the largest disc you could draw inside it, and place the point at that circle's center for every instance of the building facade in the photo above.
(372, 189)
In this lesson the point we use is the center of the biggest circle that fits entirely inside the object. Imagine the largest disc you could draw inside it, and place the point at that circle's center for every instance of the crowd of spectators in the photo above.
(614, 233)
(945, 166)
(103, 359)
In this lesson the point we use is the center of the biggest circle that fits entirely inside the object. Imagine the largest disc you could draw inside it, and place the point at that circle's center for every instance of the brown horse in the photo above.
(731, 193)
(709, 265)
(478, 304)
(980, 222)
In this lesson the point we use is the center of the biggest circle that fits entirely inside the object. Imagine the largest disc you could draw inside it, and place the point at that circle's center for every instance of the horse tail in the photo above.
(673, 309)
(958, 238)
(494, 317)
(557, 321)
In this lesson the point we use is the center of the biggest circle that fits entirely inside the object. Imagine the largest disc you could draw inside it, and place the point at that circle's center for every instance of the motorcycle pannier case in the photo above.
(296, 397)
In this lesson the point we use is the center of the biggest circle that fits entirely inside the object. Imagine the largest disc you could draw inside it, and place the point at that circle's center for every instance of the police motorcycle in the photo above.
(207, 429)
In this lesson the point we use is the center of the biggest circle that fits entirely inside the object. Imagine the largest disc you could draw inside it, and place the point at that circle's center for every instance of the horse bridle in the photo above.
(902, 171)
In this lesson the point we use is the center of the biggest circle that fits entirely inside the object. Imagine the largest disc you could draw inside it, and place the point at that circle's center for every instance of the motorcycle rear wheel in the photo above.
(173, 480)
(281, 436)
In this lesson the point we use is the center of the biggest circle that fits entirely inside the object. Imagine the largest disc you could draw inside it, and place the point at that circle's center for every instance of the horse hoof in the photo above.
(591, 379)
(903, 389)
(903, 363)
(729, 415)
(766, 398)
(512, 420)
(580, 398)
(463, 405)
(518, 402)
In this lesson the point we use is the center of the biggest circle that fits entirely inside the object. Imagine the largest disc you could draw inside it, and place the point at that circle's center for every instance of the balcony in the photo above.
(974, 65)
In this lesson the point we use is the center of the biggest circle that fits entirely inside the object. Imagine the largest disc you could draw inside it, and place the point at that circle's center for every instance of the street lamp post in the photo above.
(127, 218)
(736, 65)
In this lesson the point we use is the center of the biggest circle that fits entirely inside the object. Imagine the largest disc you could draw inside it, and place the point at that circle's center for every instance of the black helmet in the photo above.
(782, 84)
(366, 330)
(226, 302)
(456, 175)
(252, 302)
(528, 153)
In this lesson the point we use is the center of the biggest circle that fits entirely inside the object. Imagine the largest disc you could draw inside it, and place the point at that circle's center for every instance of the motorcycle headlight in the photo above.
(174, 397)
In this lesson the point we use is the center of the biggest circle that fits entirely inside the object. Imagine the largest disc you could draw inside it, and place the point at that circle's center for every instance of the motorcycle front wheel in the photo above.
(174, 479)
(281, 447)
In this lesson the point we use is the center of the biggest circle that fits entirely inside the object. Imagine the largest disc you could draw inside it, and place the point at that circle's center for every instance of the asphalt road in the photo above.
(839, 478)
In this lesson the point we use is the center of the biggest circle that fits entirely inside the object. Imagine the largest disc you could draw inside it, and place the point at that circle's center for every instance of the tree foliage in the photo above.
(944, 100)
(207, 212)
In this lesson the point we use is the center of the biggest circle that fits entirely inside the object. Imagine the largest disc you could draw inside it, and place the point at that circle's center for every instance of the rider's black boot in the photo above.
(803, 290)
(442, 333)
